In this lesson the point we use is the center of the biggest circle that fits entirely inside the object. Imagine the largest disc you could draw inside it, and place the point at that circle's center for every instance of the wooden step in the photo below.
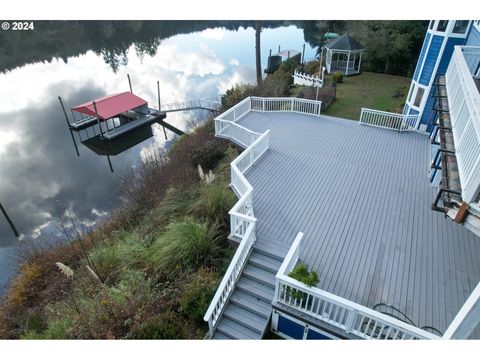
(245, 317)
(256, 289)
(251, 303)
(260, 275)
(277, 251)
(235, 330)
(265, 262)
(219, 336)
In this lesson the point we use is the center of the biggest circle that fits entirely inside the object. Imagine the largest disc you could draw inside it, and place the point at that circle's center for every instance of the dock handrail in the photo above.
(339, 312)
(191, 105)
(389, 120)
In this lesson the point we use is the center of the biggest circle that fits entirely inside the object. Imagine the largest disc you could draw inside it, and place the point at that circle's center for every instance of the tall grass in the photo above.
(187, 244)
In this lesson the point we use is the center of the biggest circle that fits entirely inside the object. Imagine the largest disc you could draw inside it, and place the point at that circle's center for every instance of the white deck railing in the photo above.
(464, 106)
(300, 78)
(350, 317)
(296, 105)
(242, 219)
(388, 120)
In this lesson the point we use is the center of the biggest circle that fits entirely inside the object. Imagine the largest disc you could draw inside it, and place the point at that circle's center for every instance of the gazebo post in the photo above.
(360, 62)
(348, 61)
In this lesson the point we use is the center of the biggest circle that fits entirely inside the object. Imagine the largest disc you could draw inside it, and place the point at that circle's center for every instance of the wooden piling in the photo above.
(69, 127)
(10, 222)
(98, 119)
(129, 83)
(160, 107)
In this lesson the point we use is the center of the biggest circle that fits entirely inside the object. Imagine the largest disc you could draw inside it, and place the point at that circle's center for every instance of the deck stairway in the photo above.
(247, 314)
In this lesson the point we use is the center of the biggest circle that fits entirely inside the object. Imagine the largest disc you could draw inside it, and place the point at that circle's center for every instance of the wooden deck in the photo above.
(361, 196)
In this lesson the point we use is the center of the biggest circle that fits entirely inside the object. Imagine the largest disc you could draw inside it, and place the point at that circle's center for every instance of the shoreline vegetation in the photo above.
(151, 271)
(148, 273)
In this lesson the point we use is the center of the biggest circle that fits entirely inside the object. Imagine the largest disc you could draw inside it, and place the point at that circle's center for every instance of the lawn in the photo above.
(369, 90)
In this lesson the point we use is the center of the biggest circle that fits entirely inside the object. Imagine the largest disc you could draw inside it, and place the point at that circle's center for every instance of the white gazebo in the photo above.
(344, 54)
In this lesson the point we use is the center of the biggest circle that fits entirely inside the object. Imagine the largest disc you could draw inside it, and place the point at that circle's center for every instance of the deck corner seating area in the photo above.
(343, 54)
(352, 201)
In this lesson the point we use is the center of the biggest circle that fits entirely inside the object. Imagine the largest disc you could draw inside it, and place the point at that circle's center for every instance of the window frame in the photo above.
(419, 88)
(441, 22)
(455, 26)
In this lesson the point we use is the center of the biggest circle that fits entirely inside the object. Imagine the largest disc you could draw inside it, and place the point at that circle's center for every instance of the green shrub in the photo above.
(199, 293)
(208, 154)
(164, 326)
(310, 278)
(236, 94)
(186, 244)
(57, 329)
(300, 272)
(33, 322)
(213, 204)
(337, 77)
(114, 257)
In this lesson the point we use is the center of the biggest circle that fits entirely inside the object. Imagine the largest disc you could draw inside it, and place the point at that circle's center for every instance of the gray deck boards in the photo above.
(362, 198)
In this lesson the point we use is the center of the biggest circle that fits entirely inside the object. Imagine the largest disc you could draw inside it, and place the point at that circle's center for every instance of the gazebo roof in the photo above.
(345, 43)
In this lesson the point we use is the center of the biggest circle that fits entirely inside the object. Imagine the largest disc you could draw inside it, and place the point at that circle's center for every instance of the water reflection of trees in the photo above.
(110, 39)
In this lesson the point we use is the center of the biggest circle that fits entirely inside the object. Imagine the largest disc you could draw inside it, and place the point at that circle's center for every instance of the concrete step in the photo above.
(260, 275)
(265, 262)
(235, 330)
(256, 289)
(251, 303)
(245, 317)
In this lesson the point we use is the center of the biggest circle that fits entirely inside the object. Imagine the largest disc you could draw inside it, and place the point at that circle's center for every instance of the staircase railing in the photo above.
(339, 312)
(388, 120)
(242, 220)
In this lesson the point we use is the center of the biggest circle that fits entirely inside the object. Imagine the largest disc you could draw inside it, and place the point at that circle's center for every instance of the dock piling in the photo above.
(159, 107)
(69, 127)
(10, 222)
(98, 119)
(129, 83)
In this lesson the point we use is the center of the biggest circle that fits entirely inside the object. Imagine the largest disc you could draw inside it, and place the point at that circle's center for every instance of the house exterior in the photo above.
(353, 202)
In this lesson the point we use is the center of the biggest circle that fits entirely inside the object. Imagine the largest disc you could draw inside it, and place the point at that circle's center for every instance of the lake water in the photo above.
(41, 178)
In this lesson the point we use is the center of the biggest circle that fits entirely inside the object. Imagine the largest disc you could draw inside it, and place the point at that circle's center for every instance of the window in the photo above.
(442, 25)
(411, 93)
(460, 26)
(419, 97)
(432, 22)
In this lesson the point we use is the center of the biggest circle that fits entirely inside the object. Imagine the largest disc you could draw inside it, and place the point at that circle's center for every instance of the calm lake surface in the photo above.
(41, 178)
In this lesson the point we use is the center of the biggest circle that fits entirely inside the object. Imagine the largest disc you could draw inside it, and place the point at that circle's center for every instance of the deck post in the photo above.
(303, 54)
(69, 127)
(467, 318)
(129, 83)
(278, 49)
(98, 119)
(10, 222)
